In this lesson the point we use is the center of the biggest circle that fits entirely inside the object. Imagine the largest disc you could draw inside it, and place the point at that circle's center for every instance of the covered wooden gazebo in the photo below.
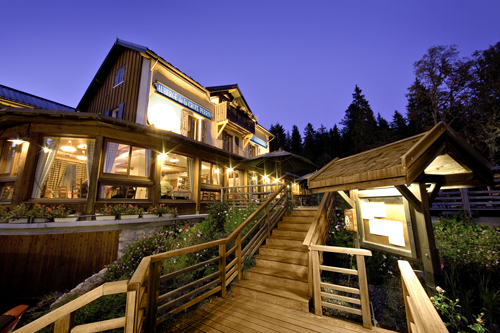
(393, 186)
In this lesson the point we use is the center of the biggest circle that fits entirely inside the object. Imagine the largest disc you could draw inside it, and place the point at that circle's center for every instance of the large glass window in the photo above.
(63, 168)
(11, 152)
(123, 192)
(122, 159)
(211, 174)
(178, 172)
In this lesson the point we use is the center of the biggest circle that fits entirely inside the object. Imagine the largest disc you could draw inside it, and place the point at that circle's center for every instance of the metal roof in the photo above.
(31, 100)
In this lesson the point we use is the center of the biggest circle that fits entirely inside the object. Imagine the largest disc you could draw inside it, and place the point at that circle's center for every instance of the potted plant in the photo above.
(162, 211)
(19, 214)
(38, 213)
(130, 212)
(106, 213)
(4, 214)
(61, 214)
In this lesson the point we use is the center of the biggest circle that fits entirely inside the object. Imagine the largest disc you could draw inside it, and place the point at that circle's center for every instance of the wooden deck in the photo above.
(238, 313)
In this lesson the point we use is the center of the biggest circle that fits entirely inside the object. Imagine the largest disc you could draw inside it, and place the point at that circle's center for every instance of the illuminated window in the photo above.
(63, 168)
(127, 160)
(252, 151)
(119, 76)
(123, 192)
(116, 112)
(192, 130)
(9, 163)
(211, 173)
(227, 142)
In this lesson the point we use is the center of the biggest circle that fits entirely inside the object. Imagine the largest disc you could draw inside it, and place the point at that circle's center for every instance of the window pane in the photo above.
(216, 175)
(116, 158)
(9, 156)
(140, 163)
(123, 192)
(63, 168)
(6, 191)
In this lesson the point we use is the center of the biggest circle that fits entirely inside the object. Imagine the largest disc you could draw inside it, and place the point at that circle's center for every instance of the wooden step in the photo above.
(303, 212)
(279, 295)
(290, 233)
(274, 277)
(298, 219)
(284, 251)
(275, 240)
(288, 264)
(294, 226)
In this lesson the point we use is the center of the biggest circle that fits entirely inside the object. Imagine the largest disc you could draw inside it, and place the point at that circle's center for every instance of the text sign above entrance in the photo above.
(176, 97)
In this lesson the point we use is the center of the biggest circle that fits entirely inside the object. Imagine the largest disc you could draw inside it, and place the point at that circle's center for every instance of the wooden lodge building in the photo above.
(141, 124)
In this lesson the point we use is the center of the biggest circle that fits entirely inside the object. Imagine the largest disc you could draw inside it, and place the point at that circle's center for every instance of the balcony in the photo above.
(244, 124)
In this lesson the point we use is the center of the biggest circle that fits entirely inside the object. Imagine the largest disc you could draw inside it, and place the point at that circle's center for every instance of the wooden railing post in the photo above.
(65, 324)
(363, 292)
(237, 243)
(318, 309)
(221, 195)
(268, 222)
(153, 293)
(222, 269)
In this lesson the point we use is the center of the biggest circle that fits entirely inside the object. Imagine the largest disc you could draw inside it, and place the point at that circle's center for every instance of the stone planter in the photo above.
(129, 217)
(105, 217)
(66, 219)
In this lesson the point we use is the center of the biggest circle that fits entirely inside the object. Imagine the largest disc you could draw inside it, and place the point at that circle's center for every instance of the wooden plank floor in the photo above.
(241, 314)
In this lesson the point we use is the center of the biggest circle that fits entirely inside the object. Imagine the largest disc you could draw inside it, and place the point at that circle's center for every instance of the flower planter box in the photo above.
(19, 220)
(66, 219)
(129, 217)
(155, 216)
(105, 217)
(39, 220)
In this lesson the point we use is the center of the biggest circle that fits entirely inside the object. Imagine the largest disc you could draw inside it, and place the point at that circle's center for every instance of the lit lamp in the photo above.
(230, 170)
(17, 139)
(68, 148)
(174, 159)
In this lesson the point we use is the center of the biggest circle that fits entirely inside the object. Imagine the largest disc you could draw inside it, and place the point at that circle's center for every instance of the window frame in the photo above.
(119, 74)
(5, 147)
(115, 176)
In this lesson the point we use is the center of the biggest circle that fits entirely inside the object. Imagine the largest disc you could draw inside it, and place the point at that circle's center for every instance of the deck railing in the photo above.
(421, 316)
(315, 237)
(149, 293)
(248, 194)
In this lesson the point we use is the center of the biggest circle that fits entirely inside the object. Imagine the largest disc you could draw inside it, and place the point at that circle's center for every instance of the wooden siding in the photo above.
(34, 265)
(108, 98)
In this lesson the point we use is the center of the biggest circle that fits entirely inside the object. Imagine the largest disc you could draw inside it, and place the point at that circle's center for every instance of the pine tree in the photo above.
(296, 144)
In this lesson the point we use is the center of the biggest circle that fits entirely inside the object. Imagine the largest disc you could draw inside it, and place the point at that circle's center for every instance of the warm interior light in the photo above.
(163, 156)
(17, 139)
(82, 146)
(174, 159)
(254, 178)
(45, 149)
(82, 158)
(216, 171)
(230, 170)
(69, 148)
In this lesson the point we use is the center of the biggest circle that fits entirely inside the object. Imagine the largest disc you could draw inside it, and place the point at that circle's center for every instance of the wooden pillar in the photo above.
(197, 183)
(222, 269)
(94, 175)
(427, 251)
(156, 195)
(153, 294)
(65, 324)
(464, 193)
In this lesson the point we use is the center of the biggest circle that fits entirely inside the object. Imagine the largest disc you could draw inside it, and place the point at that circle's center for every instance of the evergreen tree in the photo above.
(280, 137)
(296, 144)
(322, 153)
(359, 125)
(309, 148)
(335, 143)
(384, 135)
(399, 127)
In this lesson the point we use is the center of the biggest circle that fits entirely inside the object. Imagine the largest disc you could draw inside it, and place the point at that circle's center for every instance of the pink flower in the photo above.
(180, 230)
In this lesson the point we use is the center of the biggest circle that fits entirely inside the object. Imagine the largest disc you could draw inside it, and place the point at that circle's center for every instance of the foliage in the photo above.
(25, 210)
(236, 216)
(20, 210)
(124, 209)
(4, 211)
(59, 211)
(467, 245)
(453, 317)
(217, 216)
(470, 256)
(162, 209)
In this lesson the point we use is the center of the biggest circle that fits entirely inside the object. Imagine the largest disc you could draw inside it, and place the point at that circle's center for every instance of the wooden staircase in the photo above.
(281, 272)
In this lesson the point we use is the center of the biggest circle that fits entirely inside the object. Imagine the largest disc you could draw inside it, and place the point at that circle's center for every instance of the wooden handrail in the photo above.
(105, 289)
(143, 288)
(421, 315)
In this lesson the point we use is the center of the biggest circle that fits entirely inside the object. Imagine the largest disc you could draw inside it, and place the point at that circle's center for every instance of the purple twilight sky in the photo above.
(295, 61)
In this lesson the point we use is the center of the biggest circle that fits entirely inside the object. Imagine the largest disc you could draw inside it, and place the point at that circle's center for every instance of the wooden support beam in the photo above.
(223, 125)
(417, 204)
(349, 201)
(94, 175)
(435, 191)
(246, 140)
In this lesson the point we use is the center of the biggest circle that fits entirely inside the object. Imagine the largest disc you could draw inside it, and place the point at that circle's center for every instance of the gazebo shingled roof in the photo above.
(438, 155)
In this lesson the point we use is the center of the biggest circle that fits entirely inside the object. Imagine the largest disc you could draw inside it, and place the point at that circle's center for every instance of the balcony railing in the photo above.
(224, 111)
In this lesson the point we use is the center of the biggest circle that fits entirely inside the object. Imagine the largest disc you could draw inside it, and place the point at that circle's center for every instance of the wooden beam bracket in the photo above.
(417, 204)
(222, 125)
(349, 201)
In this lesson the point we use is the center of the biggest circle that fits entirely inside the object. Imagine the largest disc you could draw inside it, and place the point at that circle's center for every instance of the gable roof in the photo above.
(116, 50)
(235, 91)
(438, 155)
(22, 99)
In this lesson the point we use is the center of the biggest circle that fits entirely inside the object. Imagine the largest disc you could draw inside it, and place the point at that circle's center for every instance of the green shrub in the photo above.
(217, 214)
